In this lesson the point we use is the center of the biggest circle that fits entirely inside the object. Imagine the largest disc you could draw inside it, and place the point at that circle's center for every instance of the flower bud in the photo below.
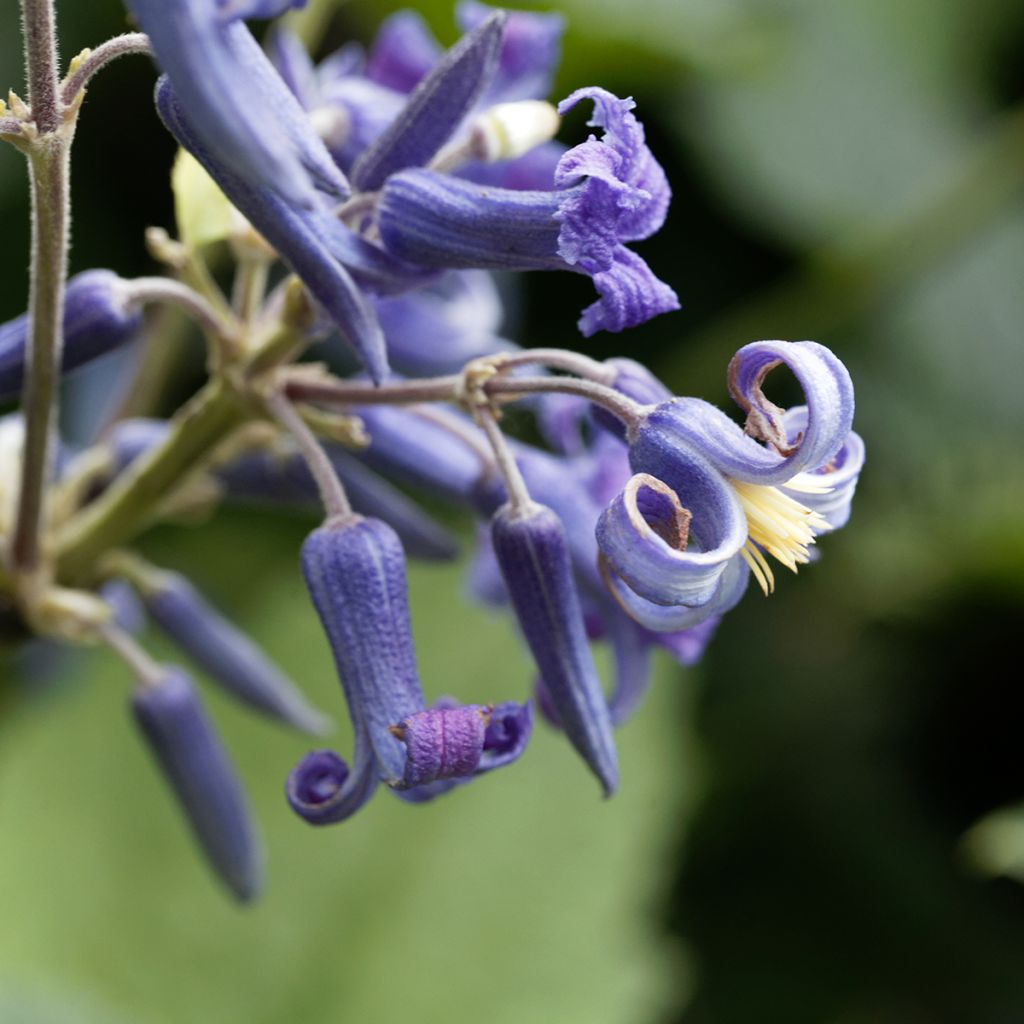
(533, 553)
(186, 747)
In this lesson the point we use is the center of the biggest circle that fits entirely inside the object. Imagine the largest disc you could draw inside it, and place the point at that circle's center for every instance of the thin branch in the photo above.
(119, 46)
(559, 359)
(144, 290)
(301, 388)
(518, 493)
(123, 644)
(332, 491)
(618, 404)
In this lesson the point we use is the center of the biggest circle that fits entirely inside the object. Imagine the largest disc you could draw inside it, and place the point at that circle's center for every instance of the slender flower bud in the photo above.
(225, 653)
(183, 740)
(533, 553)
(97, 320)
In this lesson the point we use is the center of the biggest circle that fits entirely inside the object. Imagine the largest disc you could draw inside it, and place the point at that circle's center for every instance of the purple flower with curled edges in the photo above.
(355, 571)
(606, 192)
(707, 501)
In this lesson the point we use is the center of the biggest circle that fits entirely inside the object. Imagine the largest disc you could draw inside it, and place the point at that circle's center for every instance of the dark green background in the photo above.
(789, 842)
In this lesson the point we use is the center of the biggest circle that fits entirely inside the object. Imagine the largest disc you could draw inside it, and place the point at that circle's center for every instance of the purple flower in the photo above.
(98, 318)
(672, 565)
(606, 192)
(355, 571)
(185, 745)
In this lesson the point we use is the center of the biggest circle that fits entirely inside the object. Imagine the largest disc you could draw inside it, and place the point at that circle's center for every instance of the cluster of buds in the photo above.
(389, 182)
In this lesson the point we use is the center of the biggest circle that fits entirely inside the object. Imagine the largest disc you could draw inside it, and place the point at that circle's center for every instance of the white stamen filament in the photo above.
(779, 525)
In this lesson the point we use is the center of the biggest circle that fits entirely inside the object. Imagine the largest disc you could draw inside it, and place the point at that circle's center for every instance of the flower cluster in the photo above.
(389, 183)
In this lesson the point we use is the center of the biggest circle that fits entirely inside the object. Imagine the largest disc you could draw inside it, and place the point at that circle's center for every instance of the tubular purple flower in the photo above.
(237, 105)
(185, 745)
(355, 571)
(318, 247)
(229, 657)
(97, 319)
(607, 192)
(435, 108)
(532, 551)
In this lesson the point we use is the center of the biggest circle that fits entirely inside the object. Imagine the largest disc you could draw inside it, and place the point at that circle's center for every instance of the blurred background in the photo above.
(816, 825)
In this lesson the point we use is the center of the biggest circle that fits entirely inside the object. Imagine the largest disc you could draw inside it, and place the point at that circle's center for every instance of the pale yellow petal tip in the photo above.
(78, 60)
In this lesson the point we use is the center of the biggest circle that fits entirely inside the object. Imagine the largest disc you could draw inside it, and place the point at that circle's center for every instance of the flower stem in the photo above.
(119, 46)
(332, 491)
(41, 64)
(518, 493)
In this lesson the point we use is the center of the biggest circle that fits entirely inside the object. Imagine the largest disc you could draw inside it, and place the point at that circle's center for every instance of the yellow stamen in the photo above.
(779, 525)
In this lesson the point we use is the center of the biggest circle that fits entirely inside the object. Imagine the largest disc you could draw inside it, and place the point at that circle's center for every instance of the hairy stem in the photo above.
(49, 168)
(41, 64)
(119, 46)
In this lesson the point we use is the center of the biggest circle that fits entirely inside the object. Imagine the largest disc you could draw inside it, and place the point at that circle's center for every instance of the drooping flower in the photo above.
(707, 500)
(606, 193)
(355, 571)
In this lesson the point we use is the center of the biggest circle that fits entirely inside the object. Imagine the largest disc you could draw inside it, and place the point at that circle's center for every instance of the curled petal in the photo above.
(673, 619)
(631, 658)
(323, 791)
(625, 188)
(355, 571)
(435, 108)
(226, 654)
(186, 746)
(629, 293)
(839, 475)
(828, 395)
(532, 551)
(97, 320)
(687, 646)
(640, 532)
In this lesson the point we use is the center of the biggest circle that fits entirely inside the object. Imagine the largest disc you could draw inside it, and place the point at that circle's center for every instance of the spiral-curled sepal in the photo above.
(533, 554)
(436, 107)
(322, 789)
(355, 571)
(828, 394)
(838, 477)
(229, 657)
(98, 318)
(190, 754)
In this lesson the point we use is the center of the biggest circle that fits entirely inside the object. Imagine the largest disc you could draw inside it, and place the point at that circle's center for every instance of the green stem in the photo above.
(126, 507)
(49, 168)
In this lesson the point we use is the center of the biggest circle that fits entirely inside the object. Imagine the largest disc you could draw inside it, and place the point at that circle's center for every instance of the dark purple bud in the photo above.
(226, 654)
(186, 746)
(97, 320)
(436, 107)
(441, 743)
(355, 572)
(533, 553)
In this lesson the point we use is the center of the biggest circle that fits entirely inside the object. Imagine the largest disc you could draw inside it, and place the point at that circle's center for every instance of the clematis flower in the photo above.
(708, 501)
(355, 570)
(606, 193)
